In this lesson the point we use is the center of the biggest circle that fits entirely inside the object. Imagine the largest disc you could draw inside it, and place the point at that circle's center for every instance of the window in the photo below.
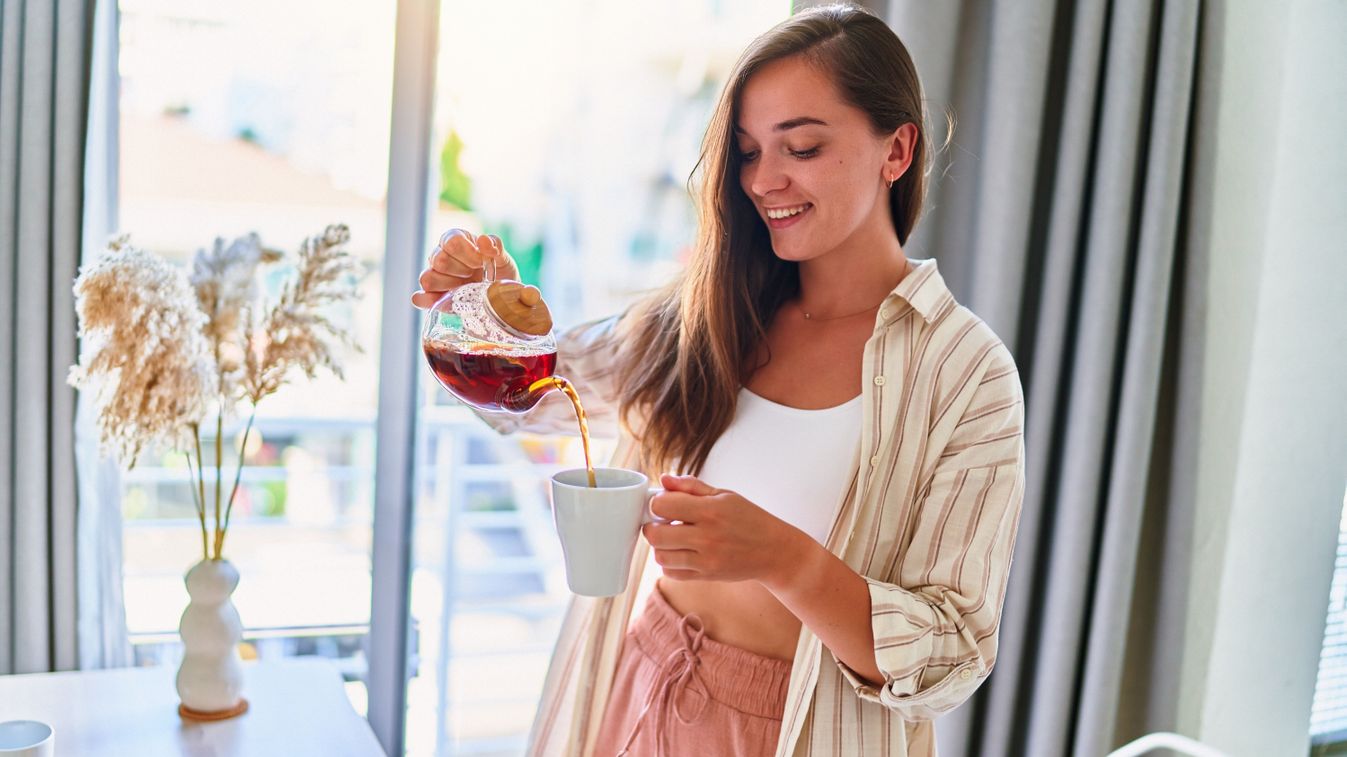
(1328, 717)
(569, 131)
(249, 116)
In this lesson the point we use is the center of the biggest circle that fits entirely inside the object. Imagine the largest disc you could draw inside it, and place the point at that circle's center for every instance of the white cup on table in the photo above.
(26, 738)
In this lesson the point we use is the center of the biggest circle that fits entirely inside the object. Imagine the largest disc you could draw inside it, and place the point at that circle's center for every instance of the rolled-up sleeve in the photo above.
(586, 356)
(936, 619)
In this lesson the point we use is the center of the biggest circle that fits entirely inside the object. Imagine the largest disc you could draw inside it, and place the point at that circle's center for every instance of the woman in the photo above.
(849, 437)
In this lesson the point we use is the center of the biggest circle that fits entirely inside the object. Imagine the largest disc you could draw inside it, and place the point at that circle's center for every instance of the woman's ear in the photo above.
(902, 144)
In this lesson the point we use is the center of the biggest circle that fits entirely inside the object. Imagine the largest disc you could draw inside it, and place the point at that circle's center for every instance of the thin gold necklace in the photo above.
(907, 268)
(809, 317)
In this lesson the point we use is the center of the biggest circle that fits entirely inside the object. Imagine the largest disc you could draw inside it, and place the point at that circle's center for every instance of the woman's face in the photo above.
(811, 162)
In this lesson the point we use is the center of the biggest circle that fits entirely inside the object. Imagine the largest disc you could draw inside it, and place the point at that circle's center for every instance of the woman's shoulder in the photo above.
(961, 345)
(975, 388)
(950, 337)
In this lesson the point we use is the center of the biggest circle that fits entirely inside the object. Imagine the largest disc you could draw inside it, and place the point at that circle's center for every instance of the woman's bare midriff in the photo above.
(742, 614)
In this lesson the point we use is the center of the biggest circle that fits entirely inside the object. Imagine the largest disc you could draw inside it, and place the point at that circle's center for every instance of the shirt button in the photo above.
(879, 381)
(884, 313)
(965, 674)
(874, 461)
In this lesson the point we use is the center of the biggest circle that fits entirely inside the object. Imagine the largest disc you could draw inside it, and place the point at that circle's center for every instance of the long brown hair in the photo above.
(689, 346)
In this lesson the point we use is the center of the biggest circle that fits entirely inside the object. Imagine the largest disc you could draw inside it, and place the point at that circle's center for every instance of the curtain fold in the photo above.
(1055, 216)
(103, 637)
(44, 84)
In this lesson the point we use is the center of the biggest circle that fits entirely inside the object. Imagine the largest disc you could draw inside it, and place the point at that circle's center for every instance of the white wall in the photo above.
(1270, 468)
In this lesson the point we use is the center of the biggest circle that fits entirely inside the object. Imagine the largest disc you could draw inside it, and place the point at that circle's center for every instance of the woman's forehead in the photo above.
(788, 94)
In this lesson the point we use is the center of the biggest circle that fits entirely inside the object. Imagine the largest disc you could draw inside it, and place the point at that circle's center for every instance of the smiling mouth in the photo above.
(778, 214)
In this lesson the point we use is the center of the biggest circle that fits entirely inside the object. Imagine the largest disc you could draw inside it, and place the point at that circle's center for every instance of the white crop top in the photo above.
(793, 463)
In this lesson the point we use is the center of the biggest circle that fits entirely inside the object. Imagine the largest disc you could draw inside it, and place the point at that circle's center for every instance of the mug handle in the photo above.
(648, 516)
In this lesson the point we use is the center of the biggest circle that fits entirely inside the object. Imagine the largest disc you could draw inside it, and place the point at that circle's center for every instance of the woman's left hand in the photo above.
(720, 535)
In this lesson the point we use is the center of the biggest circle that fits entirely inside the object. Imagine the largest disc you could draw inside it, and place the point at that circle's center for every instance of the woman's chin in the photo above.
(791, 253)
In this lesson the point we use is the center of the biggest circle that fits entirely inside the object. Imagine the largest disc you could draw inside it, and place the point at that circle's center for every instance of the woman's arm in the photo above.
(831, 600)
(924, 641)
(935, 614)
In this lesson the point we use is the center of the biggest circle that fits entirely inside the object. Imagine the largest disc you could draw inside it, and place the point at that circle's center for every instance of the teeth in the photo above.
(785, 212)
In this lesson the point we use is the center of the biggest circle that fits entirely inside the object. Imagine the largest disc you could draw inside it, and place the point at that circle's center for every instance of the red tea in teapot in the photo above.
(491, 380)
(504, 380)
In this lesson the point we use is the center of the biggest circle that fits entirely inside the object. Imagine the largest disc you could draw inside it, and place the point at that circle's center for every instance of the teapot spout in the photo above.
(519, 398)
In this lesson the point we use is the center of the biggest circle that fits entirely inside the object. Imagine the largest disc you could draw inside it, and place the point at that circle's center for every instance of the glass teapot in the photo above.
(490, 344)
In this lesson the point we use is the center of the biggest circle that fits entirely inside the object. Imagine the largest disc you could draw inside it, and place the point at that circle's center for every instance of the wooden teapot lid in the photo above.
(520, 307)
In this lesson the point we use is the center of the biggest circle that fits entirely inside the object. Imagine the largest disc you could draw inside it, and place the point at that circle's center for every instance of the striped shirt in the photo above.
(928, 519)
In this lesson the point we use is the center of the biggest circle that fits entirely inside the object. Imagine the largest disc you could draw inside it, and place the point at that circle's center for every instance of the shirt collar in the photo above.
(924, 290)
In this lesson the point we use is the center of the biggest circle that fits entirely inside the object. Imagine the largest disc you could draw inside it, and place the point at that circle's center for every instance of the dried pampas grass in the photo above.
(161, 351)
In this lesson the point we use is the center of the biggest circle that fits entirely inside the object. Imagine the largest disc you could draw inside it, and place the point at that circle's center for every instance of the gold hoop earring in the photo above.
(890, 182)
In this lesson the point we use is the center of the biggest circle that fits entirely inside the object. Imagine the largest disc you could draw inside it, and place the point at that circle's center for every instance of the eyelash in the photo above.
(749, 157)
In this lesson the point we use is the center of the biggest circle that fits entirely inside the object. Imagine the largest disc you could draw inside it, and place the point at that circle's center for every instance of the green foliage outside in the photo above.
(455, 186)
(456, 190)
(273, 502)
(527, 253)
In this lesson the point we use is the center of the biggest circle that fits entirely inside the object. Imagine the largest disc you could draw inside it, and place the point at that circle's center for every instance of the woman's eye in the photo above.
(748, 156)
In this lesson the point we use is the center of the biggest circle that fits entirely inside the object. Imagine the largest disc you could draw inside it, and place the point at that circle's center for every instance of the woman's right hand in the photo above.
(461, 258)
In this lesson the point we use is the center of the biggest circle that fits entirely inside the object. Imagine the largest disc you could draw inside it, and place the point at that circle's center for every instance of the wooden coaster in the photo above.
(187, 713)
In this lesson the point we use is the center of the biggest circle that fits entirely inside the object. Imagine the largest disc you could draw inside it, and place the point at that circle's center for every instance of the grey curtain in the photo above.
(44, 78)
(1055, 215)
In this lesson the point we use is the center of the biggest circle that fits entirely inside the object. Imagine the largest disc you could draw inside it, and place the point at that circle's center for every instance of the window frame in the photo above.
(407, 211)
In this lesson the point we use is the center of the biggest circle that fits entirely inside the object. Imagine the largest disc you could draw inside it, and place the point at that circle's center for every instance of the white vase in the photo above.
(210, 679)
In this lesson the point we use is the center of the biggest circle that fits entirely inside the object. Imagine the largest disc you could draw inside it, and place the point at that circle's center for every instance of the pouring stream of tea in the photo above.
(568, 389)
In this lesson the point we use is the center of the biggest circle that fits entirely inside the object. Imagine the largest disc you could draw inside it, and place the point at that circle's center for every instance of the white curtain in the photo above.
(44, 89)
(102, 634)
(1055, 215)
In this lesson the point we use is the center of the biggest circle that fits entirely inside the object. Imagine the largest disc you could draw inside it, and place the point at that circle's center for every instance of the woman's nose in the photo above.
(767, 176)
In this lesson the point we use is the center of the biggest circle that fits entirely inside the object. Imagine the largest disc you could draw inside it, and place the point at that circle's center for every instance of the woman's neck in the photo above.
(851, 277)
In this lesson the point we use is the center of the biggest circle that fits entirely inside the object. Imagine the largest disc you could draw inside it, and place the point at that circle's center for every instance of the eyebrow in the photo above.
(789, 124)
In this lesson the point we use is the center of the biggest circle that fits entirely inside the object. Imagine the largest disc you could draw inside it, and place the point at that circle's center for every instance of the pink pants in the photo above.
(678, 692)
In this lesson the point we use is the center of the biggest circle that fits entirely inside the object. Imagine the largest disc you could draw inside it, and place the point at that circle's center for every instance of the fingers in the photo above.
(490, 246)
(458, 245)
(679, 506)
(458, 255)
(688, 484)
(432, 281)
(670, 546)
(425, 300)
(670, 536)
(677, 561)
(458, 258)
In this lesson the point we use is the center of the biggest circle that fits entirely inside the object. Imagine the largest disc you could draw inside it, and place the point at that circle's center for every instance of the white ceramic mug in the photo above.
(598, 526)
(26, 738)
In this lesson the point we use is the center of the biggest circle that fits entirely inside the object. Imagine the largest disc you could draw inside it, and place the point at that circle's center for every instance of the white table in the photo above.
(297, 707)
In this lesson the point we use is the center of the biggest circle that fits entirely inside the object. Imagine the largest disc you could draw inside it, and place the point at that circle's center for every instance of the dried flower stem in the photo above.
(238, 473)
(219, 478)
(200, 506)
(201, 489)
